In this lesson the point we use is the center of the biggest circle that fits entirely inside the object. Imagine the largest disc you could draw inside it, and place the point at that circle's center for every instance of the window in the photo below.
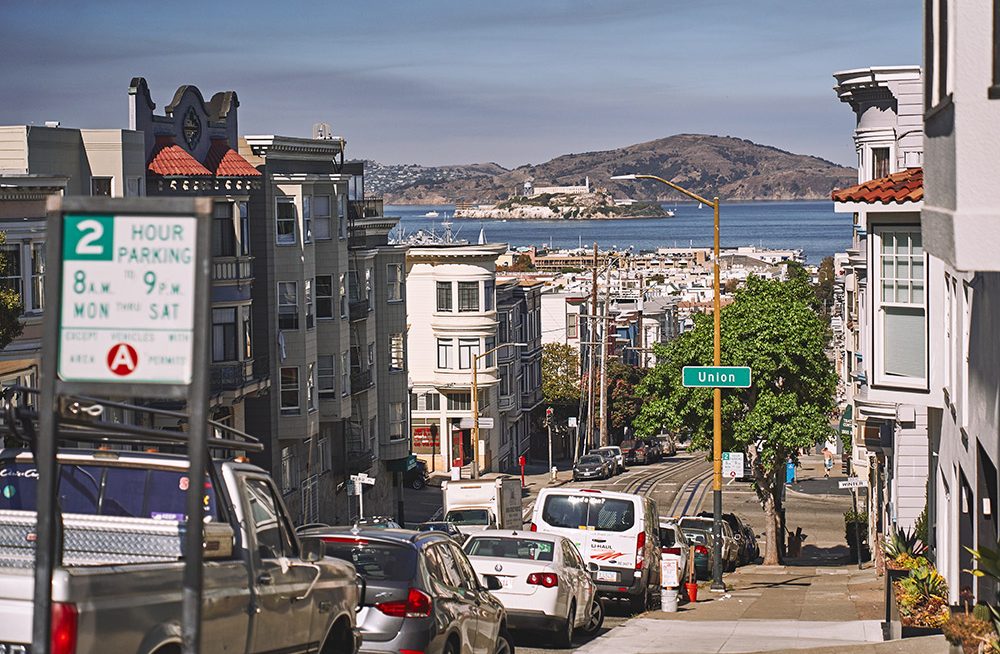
(444, 296)
(311, 388)
(100, 186)
(244, 229)
(880, 163)
(289, 390)
(413, 402)
(467, 348)
(355, 359)
(247, 333)
(490, 357)
(326, 379)
(503, 326)
(902, 312)
(310, 318)
(489, 291)
(345, 375)
(307, 219)
(10, 268)
(285, 220)
(371, 355)
(432, 401)
(323, 454)
(394, 282)
(352, 286)
(604, 514)
(342, 215)
(396, 353)
(572, 325)
(289, 468)
(37, 276)
(288, 305)
(468, 296)
(224, 334)
(445, 356)
(321, 216)
(223, 232)
(936, 46)
(505, 378)
(459, 401)
(272, 534)
(343, 296)
(324, 296)
(397, 420)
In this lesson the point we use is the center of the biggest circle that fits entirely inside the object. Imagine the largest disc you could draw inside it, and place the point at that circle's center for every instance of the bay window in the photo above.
(901, 306)
(467, 349)
(468, 296)
(444, 354)
(444, 297)
(224, 338)
(321, 216)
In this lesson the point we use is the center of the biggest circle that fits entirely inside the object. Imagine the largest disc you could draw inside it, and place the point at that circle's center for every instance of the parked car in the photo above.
(545, 585)
(674, 544)
(704, 552)
(444, 527)
(379, 522)
(635, 452)
(667, 444)
(416, 477)
(615, 454)
(591, 466)
(422, 593)
(745, 538)
(730, 544)
(654, 453)
(618, 531)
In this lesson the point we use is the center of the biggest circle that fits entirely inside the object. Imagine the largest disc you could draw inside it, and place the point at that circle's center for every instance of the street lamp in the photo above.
(475, 402)
(717, 583)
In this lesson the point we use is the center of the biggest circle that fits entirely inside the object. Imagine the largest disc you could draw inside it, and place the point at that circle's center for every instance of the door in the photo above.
(279, 622)
(583, 587)
(487, 611)
(455, 607)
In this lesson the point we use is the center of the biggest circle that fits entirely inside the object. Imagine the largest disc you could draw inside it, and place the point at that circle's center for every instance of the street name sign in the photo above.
(732, 464)
(128, 299)
(716, 376)
(853, 482)
(469, 423)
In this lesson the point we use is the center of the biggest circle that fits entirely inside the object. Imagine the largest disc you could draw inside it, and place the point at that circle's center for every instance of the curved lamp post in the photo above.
(717, 583)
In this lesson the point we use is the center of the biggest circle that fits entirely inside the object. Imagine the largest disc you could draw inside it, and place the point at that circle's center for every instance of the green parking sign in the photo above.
(88, 238)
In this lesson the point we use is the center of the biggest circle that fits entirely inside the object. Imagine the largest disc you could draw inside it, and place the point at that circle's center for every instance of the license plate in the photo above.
(504, 582)
(607, 575)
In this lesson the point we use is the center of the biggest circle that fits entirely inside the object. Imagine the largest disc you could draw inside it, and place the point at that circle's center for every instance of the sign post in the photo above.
(358, 481)
(129, 280)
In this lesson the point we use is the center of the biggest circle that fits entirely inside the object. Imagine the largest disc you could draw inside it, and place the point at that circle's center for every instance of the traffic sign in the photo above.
(853, 482)
(571, 422)
(468, 423)
(716, 376)
(128, 298)
(732, 464)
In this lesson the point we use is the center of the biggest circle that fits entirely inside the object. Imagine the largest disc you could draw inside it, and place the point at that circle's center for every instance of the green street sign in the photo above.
(716, 376)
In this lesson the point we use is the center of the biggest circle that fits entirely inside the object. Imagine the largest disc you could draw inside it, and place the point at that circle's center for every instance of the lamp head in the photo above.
(624, 177)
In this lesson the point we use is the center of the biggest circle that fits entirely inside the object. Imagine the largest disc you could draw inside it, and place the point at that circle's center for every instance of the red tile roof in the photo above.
(904, 186)
(171, 160)
(226, 162)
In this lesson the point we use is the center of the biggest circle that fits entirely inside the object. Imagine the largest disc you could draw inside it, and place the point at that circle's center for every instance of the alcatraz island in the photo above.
(561, 203)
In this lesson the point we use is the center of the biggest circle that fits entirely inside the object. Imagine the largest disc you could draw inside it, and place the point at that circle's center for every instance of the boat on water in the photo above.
(431, 214)
(669, 213)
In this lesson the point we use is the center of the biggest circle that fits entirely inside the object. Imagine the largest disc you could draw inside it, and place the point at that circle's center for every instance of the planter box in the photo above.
(893, 628)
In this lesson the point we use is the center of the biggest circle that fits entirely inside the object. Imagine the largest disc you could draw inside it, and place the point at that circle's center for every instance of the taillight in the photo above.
(640, 545)
(417, 605)
(64, 618)
(544, 579)
(701, 549)
(672, 550)
(534, 527)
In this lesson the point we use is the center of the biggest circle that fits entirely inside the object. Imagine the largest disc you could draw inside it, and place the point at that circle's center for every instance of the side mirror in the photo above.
(312, 549)
(592, 567)
(492, 583)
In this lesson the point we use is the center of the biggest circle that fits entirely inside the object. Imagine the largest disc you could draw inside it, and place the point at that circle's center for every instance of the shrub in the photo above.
(971, 632)
(922, 598)
(902, 541)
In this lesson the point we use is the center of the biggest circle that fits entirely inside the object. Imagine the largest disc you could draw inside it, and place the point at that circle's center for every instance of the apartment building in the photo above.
(452, 315)
(519, 369)
(961, 226)
(893, 298)
(37, 162)
(189, 150)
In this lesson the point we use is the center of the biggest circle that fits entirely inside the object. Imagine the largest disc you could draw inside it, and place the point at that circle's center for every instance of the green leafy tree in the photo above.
(773, 327)
(824, 285)
(561, 376)
(624, 401)
(11, 306)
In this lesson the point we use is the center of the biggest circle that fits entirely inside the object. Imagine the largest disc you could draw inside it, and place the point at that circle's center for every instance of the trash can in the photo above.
(668, 600)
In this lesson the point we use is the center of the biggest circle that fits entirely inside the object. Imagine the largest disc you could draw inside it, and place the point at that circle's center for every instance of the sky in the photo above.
(437, 82)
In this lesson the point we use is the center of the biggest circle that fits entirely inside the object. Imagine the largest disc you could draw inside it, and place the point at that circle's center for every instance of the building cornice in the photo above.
(290, 147)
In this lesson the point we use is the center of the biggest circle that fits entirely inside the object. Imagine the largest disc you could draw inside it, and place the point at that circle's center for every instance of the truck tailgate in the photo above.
(17, 590)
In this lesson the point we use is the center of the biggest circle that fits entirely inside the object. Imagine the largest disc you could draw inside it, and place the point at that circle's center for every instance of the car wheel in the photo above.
(595, 620)
(564, 638)
(417, 483)
(504, 644)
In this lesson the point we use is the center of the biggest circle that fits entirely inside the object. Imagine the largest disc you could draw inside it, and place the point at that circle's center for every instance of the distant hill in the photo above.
(732, 168)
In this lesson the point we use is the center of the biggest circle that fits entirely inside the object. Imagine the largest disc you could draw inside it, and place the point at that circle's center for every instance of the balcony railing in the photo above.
(358, 309)
(231, 375)
(361, 380)
(232, 269)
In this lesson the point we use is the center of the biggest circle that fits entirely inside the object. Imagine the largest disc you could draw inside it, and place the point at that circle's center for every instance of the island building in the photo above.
(329, 323)
(893, 300)
(528, 189)
(37, 162)
(960, 224)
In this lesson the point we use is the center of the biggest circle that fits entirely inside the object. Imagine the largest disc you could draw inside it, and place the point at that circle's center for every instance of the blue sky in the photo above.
(442, 81)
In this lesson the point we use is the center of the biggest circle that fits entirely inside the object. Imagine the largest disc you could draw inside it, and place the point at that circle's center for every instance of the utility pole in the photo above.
(591, 371)
(604, 361)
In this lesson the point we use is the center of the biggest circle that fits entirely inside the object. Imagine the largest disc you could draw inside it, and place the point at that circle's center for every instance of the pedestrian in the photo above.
(827, 462)
(790, 472)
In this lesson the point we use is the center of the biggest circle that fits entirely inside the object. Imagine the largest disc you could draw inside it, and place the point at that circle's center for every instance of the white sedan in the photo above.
(545, 584)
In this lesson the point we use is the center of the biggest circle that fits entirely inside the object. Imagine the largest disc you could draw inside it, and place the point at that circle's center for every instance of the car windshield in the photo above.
(590, 460)
(510, 548)
(576, 512)
(374, 561)
(111, 490)
(469, 517)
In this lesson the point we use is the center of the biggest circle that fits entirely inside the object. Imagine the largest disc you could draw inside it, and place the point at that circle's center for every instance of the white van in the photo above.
(617, 531)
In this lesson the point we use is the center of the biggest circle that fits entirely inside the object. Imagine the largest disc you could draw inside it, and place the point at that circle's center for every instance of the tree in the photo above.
(623, 399)
(773, 327)
(560, 376)
(522, 263)
(824, 285)
(11, 306)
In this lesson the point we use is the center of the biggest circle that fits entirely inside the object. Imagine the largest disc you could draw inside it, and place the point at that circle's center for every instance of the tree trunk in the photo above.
(766, 493)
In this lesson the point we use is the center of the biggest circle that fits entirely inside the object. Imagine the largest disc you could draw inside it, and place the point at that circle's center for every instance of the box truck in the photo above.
(477, 504)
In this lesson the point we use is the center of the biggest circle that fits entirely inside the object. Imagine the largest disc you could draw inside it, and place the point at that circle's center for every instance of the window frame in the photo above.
(280, 304)
(397, 352)
(233, 335)
(326, 375)
(469, 307)
(283, 239)
(446, 288)
(307, 236)
(102, 178)
(324, 301)
(322, 218)
(308, 297)
(468, 347)
(397, 421)
(445, 345)
(288, 409)
(394, 282)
